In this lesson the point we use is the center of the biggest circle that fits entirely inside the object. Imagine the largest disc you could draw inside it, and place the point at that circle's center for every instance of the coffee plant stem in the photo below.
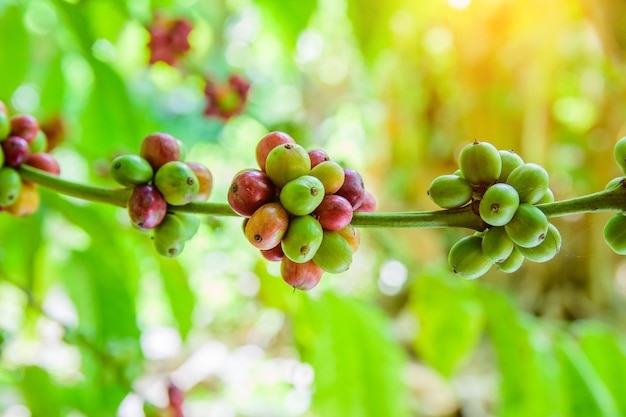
(613, 199)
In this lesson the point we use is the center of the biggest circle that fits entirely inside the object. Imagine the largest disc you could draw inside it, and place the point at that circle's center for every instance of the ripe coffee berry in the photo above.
(249, 190)
(267, 226)
(269, 142)
(44, 162)
(301, 276)
(334, 212)
(146, 206)
(158, 149)
(205, 180)
(24, 126)
(352, 189)
(317, 157)
(15, 151)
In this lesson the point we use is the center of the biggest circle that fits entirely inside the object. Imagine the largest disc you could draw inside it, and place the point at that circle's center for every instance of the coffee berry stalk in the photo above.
(305, 211)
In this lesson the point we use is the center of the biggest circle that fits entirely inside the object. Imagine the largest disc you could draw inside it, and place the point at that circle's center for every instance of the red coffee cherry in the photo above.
(368, 205)
(317, 157)
(352, 188)
(158, 149)
(15, 150)
(146, 207)
(334, 212)
(250, 190)
(269, 142)
(267, 226)
(24, 126)
(44, 162)
(205, 180)
(302, 276)
(275, 254)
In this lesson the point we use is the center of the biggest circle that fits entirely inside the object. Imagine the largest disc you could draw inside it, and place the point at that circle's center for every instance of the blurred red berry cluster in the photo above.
(168, 39)
(225, 100)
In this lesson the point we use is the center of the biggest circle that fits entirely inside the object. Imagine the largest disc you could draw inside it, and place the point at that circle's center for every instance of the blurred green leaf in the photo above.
(526, 361)
(181, 298)
(53, 88)
(40, 392)
(605, 349)
(291, 16)
(450, 317)
(358, 364)
(15, 46)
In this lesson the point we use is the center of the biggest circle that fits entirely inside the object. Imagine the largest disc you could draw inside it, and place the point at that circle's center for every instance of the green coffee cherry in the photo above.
(177, 182)
(334, 254)
(480, 163)
(10, 186)
(302, 195)
(499, 204)
(287, 162)
(528, 227)
(450, 191)
(458, 173)
(303, 238)
(547, 249)
(496, 244)
(131, 170)
(615, 233)
(191, 223)
(615, 183)
(331, 174)
(512, 263)
(531, 182)
(5, 125)
(510, 161)
(466, 258)
(619, 151)
(39, 144)
(169, 236)
(548, 197)
(1, 157)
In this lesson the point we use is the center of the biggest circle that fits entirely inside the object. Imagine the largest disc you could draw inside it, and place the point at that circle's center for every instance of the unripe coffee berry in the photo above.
(303, 238)
(496, 244)
(131, 170)
(528, 227)
(531, 182)
(499, 204)
(169, 236)
(331, 174)
(334, 254)
(177, 182)
(10, 186)
(615, 233)
(287, 162)
(450, 191)
(512, 263)
(27, 201)
(510, 161)
(547, 249)
(480, 163)
(302, 195)
(467, 259)
(39, 144)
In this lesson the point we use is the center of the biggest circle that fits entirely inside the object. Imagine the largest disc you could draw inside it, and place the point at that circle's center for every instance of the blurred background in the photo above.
(94, 323)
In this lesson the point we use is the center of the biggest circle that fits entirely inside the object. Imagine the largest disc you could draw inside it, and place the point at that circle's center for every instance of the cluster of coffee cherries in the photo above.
(161, 179)
(225, 100)
(615, 227)
(504, 191)
(23, 142)
(168, 39)
(298, 208)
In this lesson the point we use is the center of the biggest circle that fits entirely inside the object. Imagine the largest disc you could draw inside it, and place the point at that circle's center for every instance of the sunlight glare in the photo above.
(459, 4)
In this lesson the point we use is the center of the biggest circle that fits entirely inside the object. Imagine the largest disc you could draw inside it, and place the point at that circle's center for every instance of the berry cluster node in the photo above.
(298, 206)
(160, 178)
(22, 142)
(503, 190)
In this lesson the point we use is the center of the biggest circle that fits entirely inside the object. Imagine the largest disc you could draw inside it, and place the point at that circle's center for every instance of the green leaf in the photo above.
(358, 364)
(451, 320)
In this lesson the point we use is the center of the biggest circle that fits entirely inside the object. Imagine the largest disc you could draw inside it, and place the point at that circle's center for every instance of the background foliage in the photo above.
(94, 323)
